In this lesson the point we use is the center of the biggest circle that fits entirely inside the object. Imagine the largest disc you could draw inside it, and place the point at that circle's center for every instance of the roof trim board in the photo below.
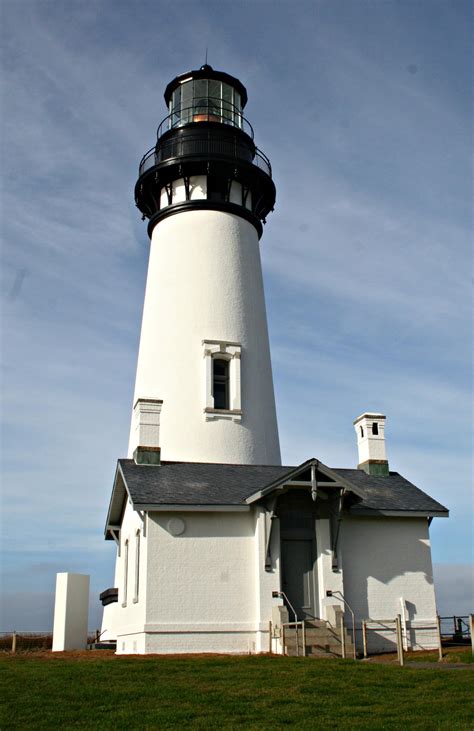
(338, 481)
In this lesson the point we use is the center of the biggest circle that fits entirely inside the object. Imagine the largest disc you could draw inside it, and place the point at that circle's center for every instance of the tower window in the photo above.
(362, 431)
(375, 428)
(220, 383)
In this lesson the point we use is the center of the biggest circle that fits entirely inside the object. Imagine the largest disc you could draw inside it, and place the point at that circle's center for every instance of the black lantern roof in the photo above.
(207, 72)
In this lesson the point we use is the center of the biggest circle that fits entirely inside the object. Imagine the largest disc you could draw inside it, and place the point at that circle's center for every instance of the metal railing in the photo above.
(289, 625)
(455, 630)
(209, 109)
(340, 595)
(198, 146)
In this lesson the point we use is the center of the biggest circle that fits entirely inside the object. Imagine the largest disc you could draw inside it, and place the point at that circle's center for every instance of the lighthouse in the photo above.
(220, 547)
(204, 387)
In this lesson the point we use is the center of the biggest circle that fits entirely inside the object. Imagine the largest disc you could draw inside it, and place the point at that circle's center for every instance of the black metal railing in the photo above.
(199, 146)
(455, 630)
(208, 109)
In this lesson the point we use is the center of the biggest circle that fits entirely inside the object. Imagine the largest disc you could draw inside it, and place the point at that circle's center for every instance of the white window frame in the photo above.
(125, 573)
(137, 566)
(222, 350)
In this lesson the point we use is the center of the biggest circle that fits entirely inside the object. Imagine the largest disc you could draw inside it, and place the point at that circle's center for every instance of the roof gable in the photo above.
(304, 474)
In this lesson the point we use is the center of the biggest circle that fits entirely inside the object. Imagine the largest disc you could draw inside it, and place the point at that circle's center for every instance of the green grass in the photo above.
(452, 655)
(95, 690)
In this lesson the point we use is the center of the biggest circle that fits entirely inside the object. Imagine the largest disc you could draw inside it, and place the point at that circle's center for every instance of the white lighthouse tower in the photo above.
(204, 388)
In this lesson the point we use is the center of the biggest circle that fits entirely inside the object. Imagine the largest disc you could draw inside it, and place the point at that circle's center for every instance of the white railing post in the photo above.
(364, 637)
(343, 638)
(440, 644)
(399, 640)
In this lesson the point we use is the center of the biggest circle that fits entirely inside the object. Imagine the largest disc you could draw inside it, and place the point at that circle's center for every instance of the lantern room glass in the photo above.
(205, 100)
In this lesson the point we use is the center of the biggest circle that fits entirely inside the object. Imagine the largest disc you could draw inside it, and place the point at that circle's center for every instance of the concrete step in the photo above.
(322, 635)
(315, 623)
(314, 652)
(321, 640)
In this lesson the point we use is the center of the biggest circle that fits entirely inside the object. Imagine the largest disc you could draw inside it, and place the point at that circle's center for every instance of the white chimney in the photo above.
(370, 430)
(146, 433)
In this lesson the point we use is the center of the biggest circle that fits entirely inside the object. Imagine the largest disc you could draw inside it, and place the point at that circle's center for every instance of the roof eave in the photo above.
(114, 498)
(366, 512)
(191, 508)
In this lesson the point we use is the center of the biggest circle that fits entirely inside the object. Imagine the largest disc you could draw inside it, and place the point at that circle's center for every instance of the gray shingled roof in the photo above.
(389, 493)
(204, 484)
(184, 483)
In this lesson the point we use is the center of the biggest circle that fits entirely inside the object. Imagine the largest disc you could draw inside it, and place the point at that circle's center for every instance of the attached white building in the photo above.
(216, 539)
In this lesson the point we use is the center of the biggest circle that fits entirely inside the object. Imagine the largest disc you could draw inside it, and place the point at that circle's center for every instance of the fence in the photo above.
(33, 641)
(378, 633)
(455, 631)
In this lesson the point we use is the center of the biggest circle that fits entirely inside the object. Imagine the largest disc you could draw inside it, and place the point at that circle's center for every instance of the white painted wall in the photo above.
(327, 578)
(205, 283)
(266, 581)
(205, 588)
(201, 586)
(384, 559)
(71, 612)
(122, 615)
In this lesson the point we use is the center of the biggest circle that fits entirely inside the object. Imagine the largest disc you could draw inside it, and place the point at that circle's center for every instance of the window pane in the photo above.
(227, 105)
(176, 107)
(200, 90)
(176, 98)
(186, 101)
(215, 90)
(220, 386)
(220, 396)
(220, 368)
(238, 109)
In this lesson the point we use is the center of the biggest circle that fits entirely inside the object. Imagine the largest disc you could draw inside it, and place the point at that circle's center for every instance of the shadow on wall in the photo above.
(384, 560)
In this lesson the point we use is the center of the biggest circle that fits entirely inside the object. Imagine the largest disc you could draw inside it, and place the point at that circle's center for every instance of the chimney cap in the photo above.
(369, 415)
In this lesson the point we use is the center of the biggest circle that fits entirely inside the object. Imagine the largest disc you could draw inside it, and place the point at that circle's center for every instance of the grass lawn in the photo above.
(99, 690)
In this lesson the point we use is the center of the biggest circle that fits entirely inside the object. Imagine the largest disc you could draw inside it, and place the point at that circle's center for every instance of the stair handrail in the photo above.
(330, 592)
(276, 594)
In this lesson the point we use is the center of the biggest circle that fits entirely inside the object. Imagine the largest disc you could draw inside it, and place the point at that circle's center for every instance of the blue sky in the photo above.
(363, 108)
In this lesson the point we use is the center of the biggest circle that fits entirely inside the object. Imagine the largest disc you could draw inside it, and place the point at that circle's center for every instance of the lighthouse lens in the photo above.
(205, 100)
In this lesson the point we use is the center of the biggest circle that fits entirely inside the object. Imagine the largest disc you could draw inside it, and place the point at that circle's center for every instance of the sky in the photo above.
(363, 107)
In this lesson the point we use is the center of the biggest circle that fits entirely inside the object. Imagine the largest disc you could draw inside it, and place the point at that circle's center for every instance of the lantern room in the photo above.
(205, 155)
(205, 95)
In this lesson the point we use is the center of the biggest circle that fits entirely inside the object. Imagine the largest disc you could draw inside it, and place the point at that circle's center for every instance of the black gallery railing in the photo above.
(199, 146)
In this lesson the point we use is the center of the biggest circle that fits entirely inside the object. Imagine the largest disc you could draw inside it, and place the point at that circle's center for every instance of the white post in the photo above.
(399, 640)
(343, 637)
(440, 643)
(404, 623)
(364, 636)
(71, 612)
(471, 630)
